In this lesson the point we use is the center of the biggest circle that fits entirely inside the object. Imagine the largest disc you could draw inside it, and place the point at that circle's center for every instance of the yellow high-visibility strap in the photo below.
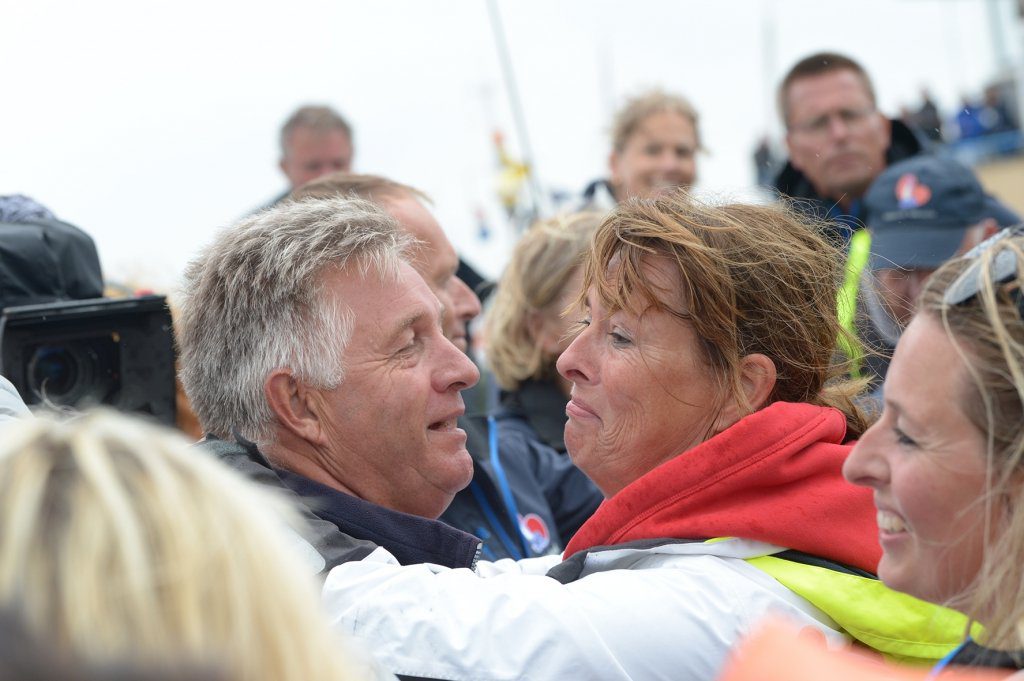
(856, 262)
(901, 627)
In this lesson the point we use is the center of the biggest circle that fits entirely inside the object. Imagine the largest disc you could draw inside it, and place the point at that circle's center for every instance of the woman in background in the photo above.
(655, 140)
(526, 330)
(946, 458)
(121, 544)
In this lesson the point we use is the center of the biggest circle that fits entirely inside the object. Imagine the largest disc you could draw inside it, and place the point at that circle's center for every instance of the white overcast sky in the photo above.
(151, 123)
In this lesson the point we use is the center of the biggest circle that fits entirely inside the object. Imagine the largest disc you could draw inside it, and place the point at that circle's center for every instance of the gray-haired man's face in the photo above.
(310, 154)
(390, 431)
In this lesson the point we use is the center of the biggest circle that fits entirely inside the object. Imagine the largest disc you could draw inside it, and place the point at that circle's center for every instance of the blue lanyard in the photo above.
(941, 665)
(506, 489)
(492, 518)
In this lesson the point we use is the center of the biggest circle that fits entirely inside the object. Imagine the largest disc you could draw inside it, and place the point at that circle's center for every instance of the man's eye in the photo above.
(409, 348)
(818, 124)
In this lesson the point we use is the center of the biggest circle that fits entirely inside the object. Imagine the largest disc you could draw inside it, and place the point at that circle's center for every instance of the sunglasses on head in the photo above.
(1002, 269)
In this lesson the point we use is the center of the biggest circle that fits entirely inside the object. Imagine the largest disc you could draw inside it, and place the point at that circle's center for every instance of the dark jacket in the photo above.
(525, 499)
(343, 528)
(795, 185)
(973, 655)
(45, 261)
(538, 406)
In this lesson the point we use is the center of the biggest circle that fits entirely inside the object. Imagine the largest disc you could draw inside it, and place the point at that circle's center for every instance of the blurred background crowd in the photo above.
(155, 126)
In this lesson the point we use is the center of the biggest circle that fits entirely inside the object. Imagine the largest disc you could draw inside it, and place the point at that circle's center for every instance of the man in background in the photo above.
(315, 140)
(838, 141)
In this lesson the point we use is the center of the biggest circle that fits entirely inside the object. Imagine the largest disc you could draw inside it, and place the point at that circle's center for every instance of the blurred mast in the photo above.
(606, 76)
(512, 90)
(1006, 66)
(772, 127)
(1019, 67)
(999, 48)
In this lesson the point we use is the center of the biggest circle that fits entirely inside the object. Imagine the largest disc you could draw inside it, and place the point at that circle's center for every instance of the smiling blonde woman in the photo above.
(946, 458)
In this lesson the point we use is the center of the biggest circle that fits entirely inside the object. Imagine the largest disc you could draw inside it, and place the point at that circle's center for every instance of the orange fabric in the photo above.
(778, 652)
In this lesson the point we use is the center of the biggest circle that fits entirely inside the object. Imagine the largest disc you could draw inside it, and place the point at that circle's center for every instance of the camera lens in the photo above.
(62, 374)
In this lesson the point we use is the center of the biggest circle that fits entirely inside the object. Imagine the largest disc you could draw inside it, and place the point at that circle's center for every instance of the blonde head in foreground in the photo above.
(120, 542)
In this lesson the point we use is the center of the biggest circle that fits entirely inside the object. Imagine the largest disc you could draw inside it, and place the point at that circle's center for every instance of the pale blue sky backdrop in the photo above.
(150, 124)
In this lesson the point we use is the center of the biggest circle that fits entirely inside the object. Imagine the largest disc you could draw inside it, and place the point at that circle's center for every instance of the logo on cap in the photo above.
(911, 193)
(536, 532)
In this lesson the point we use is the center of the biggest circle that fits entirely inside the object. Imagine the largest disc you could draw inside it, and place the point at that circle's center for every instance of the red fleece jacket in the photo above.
(774, 476)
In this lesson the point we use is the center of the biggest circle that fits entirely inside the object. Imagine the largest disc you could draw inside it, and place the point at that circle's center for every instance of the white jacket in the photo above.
(670, 612)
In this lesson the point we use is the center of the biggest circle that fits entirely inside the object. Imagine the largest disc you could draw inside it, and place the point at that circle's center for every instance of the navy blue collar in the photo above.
(409, 538)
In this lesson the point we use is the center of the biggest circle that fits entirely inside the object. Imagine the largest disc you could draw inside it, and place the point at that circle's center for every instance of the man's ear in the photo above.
(887, 124)
(613, 167)
(757, 379)
(794, 156)
(295, 406)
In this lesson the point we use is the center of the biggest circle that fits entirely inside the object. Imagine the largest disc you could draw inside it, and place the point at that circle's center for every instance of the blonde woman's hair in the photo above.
(637, 109)
(755, 279)
(119, 542)
(988, 332)
(541, 266)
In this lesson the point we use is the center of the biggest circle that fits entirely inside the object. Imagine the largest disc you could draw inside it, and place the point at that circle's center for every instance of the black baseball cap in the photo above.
(920, 209)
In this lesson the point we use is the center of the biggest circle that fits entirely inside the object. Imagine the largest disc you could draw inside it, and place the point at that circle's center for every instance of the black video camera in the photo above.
(83, 353)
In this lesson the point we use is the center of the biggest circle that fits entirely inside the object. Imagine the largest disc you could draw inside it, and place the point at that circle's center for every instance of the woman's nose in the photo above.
(571, 363)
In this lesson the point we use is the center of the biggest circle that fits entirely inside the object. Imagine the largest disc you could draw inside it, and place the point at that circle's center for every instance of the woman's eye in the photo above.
(579, 325)
(618, 338)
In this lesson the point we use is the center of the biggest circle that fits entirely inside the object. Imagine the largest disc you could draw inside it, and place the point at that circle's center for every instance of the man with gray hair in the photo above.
(310, 344)
(525, 499)
(315, 140)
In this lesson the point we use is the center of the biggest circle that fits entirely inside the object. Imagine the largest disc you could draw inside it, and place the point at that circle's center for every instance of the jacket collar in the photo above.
(775, 476)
